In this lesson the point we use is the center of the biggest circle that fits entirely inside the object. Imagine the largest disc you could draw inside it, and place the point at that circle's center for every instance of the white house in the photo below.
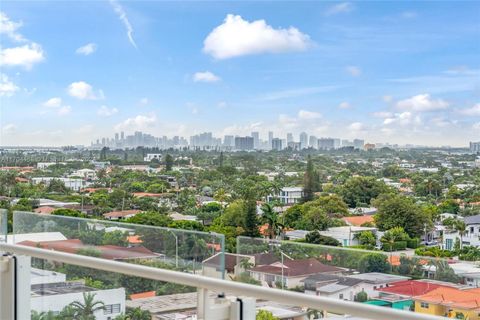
(346, 235)
(70, 183)
(471, 237)
(88, 174)
(152, 156)
(287, 195)
(56, 296)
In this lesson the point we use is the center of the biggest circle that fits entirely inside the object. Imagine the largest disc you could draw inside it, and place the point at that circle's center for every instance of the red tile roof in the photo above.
(452, 297)
(45, 210)
(142, 295)
(295, 268)
(121, 214)
(358, 220)
(410, 288)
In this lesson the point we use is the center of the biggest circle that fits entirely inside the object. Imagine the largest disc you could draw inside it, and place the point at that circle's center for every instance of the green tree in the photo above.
(366, 238)
(138, 314)
(84, 310)
(359, 191)
(461, 228)
(374, 262)
(272, 219)
(265, 315)
(251, 219)
(151, 219)
(316, 238)
(309, 181)
(168, 162)
(362, 296)
(400, 211)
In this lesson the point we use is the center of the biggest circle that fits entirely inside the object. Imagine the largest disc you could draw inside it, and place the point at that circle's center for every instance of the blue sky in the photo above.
(403, 72)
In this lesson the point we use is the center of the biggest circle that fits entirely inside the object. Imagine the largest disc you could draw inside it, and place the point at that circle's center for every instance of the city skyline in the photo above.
(380, 72)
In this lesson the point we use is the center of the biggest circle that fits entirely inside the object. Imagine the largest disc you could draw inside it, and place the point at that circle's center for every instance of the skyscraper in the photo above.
(243, 143)
(270, 138)
(276, 144)
(256, 140)
(303, 140)
(289, 137)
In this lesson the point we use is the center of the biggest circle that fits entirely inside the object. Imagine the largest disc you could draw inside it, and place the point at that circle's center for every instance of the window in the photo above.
(424, 305)
(340, 296)
(111, 308)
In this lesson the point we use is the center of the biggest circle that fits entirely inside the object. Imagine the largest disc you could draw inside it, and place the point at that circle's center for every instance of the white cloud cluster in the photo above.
(9, 28)
(56, 104)
(343, 7)
(105, 111)
(87, 49)
(344, 105)
(473, 111)
(205, 76)
(422, 103)
(238, 37)
(122, 15)
(83, 91)
(309, 115)
(7, 87)
(406, 118)
(9, 129)
(139, 122)
(24, 56)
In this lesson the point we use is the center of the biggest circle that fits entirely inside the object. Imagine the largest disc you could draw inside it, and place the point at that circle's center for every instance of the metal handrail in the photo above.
(237, 288)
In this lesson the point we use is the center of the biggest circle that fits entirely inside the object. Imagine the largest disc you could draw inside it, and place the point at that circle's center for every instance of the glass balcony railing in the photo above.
(3, 225)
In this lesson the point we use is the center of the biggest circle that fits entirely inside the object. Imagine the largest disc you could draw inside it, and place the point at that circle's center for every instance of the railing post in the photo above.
(14, 287)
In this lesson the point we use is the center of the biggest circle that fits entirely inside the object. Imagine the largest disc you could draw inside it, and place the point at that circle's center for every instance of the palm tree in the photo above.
(85, 310)
(270, 217)
(461, 228)
(43, 315)
(138, 314)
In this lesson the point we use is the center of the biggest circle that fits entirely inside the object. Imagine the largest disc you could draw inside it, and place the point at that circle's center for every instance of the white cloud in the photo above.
(308, 115)
(354, 71)
(122, 15)
(344, 105)
(144, 101)
(403, 119)
(9, 129)
(105, 111)
(7, 87)
(139, 122)
(343, 7)
(298, 92)
(222, 104)
(9, 28)
(55, 102)
(238, 37)
(205, 76)
(64, 110)
(473, 111)
(25, 56)
(87, 49)
(382, 114)
(422, 102)
(83, 91)
(356, 126)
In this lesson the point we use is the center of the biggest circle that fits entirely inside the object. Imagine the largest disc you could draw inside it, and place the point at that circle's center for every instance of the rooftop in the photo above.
(453, 297)
(294, 268)
(377, 277)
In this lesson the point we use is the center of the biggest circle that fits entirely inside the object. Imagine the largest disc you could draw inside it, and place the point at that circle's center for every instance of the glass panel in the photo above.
(3, 225)
(183, 250)
(401, 281)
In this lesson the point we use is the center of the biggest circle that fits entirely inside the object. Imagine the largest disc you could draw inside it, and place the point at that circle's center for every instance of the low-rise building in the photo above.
(346, 235)
(450, 302)
(287, 195)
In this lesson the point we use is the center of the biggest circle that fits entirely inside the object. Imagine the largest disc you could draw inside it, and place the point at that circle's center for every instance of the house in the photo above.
(70, 183)
(290, 272)
(232, 264)
(399, 295)
(358, 220)
(44, 210)
(346, 235)
(86, 174)
(54, 297)
(120, 215)
(376, 281)
(471, 237)
(296, 234)
(287, 195)
(450, 303)
(363, 211)
(182, 217)
(334, 286)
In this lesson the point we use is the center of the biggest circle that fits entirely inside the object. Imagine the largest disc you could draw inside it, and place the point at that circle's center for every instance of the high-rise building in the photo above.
(122, 136)
(303, 140)
(229, 141)
(475, 147)
(336, 143)
(244, 143)
(326, 144)
(256, 140)
(276, 144)
(358, 143)
(313, 142)
(289, 137)
(270, 138)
